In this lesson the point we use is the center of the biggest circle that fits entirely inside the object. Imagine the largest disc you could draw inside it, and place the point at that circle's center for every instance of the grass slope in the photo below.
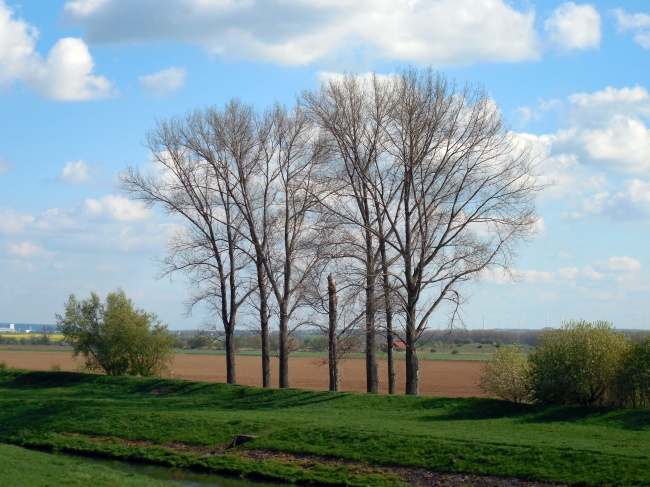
(177, 422)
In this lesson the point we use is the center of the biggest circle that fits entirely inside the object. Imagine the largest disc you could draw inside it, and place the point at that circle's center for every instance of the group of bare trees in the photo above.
(365, 206)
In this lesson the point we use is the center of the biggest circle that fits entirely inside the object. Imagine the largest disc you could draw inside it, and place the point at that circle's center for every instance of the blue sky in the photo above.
(82, 81)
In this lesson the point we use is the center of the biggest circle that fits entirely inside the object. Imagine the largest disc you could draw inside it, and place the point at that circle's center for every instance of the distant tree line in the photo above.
(364, 208)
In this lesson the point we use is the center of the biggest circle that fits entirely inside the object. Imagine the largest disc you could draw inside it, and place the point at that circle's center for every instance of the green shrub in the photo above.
(578, 364)
(3, 365)
(632, 385)
(506, 376)
(115, 336)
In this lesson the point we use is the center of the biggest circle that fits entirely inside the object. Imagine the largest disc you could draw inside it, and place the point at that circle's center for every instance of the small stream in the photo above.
(181, 477)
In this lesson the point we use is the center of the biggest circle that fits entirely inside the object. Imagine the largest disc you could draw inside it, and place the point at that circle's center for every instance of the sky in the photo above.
(82, 81)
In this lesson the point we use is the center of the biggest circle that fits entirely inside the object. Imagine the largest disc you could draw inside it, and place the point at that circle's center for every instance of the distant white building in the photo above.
(11, 329)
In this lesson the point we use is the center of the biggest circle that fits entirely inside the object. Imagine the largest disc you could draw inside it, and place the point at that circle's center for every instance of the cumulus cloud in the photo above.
(609, 128)
(606, 130)
(302, 31)
(630, 201)
(638, 23)
(163, 82)
(5, 166)
(66, 73)
(78, 172)
(116, 208)
(574, 27)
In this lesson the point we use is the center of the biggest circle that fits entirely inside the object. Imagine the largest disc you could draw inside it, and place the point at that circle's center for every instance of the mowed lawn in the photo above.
(174, 422)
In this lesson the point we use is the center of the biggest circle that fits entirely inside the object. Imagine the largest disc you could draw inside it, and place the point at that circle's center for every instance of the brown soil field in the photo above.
(453, 378)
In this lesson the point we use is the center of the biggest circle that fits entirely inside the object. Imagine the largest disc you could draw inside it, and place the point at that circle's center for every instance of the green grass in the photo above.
(138, 419)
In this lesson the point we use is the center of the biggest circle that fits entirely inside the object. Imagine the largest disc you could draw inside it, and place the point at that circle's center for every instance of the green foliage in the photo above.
(114, 336)
(578, 363)
(506, 376)
(3, 364)
(632, 384)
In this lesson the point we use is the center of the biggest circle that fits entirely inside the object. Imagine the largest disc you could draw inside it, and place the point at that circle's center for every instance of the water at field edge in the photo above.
(181, 477)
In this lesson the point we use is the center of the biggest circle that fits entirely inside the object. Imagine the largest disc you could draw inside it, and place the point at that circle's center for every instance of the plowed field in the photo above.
(454, 378)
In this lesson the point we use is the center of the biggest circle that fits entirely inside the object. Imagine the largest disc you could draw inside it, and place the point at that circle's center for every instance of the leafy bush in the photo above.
(578, 364)
(506, 376)
(632, 385)
(115, 337)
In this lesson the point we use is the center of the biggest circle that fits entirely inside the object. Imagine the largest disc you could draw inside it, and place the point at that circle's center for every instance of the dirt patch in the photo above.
(413, 476)
(417, 477)
(453, 378)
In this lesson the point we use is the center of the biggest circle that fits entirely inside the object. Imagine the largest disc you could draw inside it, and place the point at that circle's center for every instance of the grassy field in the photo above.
(183, 423)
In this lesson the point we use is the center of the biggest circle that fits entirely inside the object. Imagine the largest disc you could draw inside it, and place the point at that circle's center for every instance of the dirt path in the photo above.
(454, 378)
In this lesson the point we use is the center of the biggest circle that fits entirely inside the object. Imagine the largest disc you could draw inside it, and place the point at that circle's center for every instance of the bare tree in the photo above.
(207, 248)
(292, 254)
(350, 111)
(234, 142)
(466, 190)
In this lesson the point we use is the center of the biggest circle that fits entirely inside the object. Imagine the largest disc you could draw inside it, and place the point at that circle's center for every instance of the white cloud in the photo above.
(5, 166)
(28, 249)
(116, 208)
(625, 264)
(639, 23)
(78, 172)
(164, 82)
(607, 129)
(612, 268)
(12, 222)
(65, 74)
(631, 201)
(302, 31)
(562, 173)
(574, 27)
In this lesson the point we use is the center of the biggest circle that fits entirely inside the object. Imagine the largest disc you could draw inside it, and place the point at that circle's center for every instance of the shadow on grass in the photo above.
(255, 399)
(486, 409)
(44, 380)
(477, 409)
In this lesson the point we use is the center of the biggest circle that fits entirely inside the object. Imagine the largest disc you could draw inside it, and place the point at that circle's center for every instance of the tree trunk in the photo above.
(391, 352)
(389, 315)
(372, 376)
(264, 324)
(230, 355)
(333, 338)
(412, 364)
(284, 347)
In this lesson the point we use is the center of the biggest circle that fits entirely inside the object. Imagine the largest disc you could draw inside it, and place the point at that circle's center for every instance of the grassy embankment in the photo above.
(184, 423)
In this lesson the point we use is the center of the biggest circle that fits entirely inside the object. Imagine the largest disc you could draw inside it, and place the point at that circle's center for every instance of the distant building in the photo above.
(11, 329)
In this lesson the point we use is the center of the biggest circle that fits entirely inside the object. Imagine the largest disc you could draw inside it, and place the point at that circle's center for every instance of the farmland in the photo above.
(452, 378)
(322, 437)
